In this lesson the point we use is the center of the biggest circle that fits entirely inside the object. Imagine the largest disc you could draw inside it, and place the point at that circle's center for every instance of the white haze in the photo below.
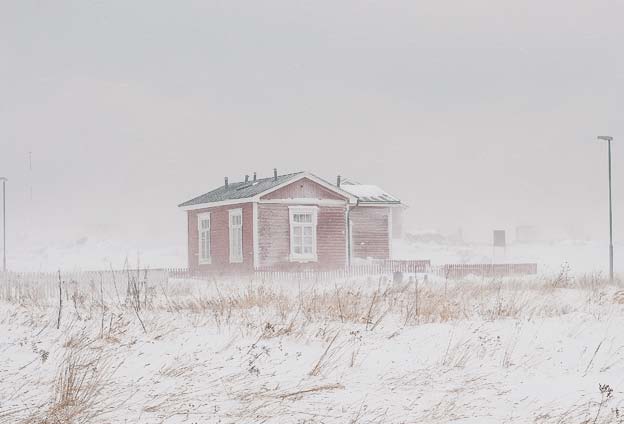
(478, 115)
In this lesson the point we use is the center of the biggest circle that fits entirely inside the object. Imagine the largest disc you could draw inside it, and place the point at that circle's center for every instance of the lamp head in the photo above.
(605, 137)
(3, 179)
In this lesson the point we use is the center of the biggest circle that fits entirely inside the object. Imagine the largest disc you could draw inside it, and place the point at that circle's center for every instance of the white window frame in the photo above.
(235, 233)
(201, 258)
(303, 257)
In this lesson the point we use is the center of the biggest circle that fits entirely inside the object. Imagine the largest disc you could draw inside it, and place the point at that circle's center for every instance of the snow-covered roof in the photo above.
(367, 193)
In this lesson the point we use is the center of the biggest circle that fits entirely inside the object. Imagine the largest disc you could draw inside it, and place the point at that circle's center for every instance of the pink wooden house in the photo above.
(289, 222)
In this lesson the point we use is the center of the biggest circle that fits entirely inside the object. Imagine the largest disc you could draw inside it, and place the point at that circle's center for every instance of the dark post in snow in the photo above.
(4, 180)
(608, 139)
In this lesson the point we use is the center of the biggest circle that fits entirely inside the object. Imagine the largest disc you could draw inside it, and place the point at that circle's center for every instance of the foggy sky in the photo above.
(478, 114)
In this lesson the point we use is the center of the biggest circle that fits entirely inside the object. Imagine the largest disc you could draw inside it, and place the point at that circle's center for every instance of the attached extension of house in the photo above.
(290, 222)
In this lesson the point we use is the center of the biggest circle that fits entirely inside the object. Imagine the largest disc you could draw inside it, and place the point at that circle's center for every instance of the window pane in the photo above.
(302, 217)
(204, 245)
(302, 236)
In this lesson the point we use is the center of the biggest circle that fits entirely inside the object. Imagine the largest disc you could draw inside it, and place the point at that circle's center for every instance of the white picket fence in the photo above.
(19, 285)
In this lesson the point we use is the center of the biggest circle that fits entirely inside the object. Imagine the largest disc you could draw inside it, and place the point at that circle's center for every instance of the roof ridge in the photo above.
(241, 187)
(268, 178)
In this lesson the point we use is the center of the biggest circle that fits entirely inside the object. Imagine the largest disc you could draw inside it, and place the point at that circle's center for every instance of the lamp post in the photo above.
(4, 180)
(608, 139)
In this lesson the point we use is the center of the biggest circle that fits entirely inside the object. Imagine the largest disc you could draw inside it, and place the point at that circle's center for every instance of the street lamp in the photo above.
(4, 180)
(608, 139)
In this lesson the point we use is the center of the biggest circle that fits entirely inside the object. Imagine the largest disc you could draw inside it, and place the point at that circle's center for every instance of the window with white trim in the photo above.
(236, 235)
(303, 233)
(203, 228)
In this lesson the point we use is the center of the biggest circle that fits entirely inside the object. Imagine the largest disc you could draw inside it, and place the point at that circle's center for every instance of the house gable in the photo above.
(304, 188)
(254, 191)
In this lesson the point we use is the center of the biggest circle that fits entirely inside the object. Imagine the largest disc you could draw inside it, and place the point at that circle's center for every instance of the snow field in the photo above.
(360, 351)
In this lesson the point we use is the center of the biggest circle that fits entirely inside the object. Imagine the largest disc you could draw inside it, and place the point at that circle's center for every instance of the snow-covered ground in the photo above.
(581, 256)
(100, 253)
(85, 253)
(517, 351)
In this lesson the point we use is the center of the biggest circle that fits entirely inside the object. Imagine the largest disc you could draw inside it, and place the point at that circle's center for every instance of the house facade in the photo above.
(288, 222)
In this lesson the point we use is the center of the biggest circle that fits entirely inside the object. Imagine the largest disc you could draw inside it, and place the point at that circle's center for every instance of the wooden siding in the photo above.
(220, 239)
(331, 237)
(273, 234)
(369, 232)
(303, 188)
(274, 238)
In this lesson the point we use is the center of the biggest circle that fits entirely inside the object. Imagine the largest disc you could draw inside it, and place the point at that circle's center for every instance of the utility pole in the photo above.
(608, 139)
(4, 180)
(30, 173)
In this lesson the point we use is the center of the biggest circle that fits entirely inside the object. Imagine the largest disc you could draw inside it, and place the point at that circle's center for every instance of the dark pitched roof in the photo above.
(240, 190)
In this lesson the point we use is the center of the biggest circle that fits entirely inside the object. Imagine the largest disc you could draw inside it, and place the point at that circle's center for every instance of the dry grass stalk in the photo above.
(317, 368)
(78, 389)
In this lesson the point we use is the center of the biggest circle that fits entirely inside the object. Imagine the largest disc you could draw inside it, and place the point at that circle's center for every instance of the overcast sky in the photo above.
(477, 114)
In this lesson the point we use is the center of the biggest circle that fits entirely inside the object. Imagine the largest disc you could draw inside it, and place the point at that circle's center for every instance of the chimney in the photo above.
(226, 182)
(274, 174)
(246, 178)
(254, 176)
(338, 181)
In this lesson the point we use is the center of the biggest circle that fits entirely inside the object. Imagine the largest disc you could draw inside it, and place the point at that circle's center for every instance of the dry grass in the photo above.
(77, 396)
(100, 317)
(365, 301)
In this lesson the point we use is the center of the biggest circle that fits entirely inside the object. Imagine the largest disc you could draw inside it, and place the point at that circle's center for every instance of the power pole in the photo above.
(30, 169)
(608, 139)
(4, 180)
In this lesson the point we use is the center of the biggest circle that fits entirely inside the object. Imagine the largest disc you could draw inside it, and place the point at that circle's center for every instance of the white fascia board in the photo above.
(303, 207)
(305, 201)
(256, 241)
(216, 204)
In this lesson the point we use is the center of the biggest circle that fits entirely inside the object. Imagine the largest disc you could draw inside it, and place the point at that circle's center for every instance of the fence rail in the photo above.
(16, 283)
(353, 271)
